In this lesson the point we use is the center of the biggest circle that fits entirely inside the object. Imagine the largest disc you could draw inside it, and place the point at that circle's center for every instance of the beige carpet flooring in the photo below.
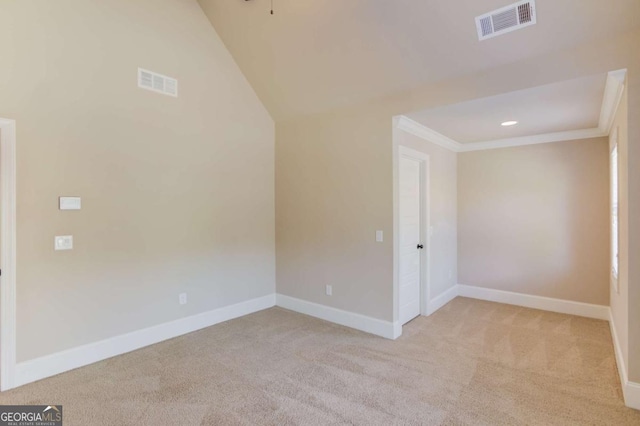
(471, 363)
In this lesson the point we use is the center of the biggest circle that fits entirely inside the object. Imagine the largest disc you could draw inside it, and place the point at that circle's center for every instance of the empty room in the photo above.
(302, 212)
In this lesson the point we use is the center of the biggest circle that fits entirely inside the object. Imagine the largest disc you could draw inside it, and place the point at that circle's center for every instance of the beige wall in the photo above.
(177, 194)
(534, 220)
(332, 189)
(344, 156)
(620, 299)
(633, 178)
(443, 267)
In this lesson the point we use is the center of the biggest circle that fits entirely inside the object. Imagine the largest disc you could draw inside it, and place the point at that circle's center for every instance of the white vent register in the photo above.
(157, 82)
(504, 20)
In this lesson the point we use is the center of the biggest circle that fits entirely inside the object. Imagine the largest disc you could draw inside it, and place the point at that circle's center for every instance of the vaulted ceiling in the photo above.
(315, 55)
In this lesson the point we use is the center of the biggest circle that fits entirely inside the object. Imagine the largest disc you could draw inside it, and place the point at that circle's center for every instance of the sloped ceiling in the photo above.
(315, 55)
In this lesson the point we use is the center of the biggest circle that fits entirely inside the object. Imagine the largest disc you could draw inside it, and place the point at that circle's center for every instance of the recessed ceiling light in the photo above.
(509, 123)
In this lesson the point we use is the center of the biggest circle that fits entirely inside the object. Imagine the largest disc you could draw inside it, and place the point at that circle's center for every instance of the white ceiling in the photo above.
(316, 55)
(559, 107)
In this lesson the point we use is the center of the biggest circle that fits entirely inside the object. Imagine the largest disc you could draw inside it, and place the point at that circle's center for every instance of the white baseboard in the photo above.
(622, 369)
(630, 390)
(364, 323)
(397, 330)
(441, 300)
(536, 302)
(50, 365)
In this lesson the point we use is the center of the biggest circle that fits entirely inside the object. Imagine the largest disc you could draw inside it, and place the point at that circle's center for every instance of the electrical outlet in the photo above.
(64, 242)
(379, 237)
(329, 290)
(182, 298)
(450, 274)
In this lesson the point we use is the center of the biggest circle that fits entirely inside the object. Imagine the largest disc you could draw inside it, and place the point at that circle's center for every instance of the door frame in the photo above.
(425, 226)
(7, 253)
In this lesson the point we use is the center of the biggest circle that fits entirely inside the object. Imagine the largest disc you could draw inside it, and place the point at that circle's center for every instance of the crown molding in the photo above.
(614, 89)
(534, 140)
(423, 132)
(413, 127)
(611, 101)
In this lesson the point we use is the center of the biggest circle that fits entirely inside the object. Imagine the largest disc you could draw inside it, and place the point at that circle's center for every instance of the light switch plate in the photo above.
(63, 242)
(70, 203)
(379, 236)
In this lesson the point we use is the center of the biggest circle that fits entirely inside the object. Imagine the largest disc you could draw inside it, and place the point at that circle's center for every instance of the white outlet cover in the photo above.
(379, 236)
(182, 298)
(329, 290)
(63, 242)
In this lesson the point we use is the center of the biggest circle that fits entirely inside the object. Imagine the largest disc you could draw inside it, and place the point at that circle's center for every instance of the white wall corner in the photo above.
(613, 91)
(70, 359)
(413, 127)
(386, 329)
(536, 302)
(630, 390)
(439, 301)
(397, 330)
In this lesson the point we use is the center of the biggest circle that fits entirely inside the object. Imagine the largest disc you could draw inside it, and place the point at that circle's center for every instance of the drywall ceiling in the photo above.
(559, 107)
(315, 55)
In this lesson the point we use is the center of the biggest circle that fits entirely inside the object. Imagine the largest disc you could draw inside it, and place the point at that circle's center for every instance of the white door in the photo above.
(410, 246)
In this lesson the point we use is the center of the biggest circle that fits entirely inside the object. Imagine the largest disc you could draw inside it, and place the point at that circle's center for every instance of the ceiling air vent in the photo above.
(157, 82)
(506, 19)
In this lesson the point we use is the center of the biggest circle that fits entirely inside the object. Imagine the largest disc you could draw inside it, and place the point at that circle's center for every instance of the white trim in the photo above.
(611, 101)
(50, 365)
(612, 96)
(360, 322)
(441, 300)
(535, 302)
(413, 127)
(622, 369)
(410, 126)
(534, 140)
(396, 214)
(630, 390)
(397, 330)
(8, 256)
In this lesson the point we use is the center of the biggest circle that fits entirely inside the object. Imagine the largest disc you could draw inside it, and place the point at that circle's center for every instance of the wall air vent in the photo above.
(506, 19)
(157, 82)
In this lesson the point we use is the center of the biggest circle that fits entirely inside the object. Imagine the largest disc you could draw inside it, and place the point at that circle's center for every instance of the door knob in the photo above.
(420, 246)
